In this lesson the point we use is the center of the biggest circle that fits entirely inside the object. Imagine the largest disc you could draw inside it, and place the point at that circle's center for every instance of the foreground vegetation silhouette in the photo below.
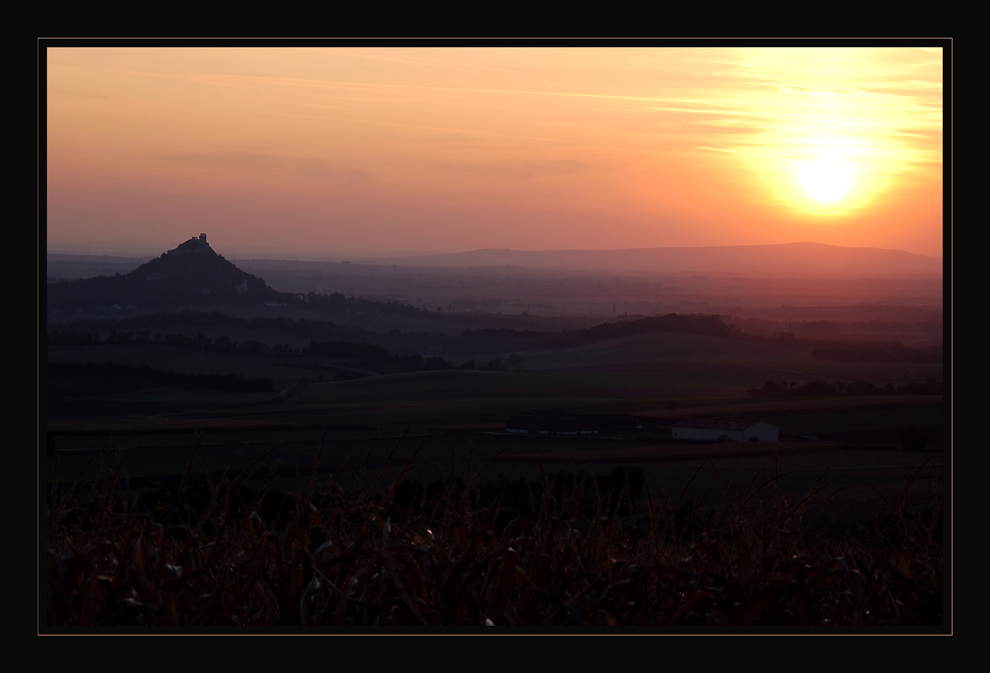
(561, 550)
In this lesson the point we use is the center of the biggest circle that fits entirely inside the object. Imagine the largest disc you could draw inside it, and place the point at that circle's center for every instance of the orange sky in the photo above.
(341, 152)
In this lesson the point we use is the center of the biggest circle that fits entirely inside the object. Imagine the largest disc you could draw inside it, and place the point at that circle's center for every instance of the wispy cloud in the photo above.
(633, 141)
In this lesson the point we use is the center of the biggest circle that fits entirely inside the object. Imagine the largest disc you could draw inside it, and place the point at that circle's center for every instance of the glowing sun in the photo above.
(827, 179)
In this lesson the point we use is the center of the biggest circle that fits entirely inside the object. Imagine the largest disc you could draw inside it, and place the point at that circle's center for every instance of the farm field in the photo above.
(441, 422)
(188, 360)
(861, 479)
(164, 449)
(691, 352)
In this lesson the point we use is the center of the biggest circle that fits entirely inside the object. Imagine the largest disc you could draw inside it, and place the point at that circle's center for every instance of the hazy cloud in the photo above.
(638, 141)
(67, 93)
(523, 169)
(256, 161)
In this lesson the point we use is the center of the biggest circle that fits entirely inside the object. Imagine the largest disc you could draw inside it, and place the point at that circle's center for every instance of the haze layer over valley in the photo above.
(872, 293)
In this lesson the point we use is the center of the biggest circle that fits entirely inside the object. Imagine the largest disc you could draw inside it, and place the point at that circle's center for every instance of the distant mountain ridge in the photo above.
(802, 258)
(787, 258)
(189, 274)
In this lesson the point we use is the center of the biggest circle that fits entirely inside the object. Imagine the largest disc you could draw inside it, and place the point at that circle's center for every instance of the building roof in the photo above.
(716, 423)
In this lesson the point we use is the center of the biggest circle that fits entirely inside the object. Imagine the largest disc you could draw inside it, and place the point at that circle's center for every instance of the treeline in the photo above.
(376, 357)
(304, 328)
(128, 330)
(370, 356)
(222, 343)
(925, 326)
(147, 375)
(496, 339)
(336, 302)
(672, 322)
(492, 365)
(815, 329)
(830, 329)
(893, 351)
(129, 292)
(819, 388)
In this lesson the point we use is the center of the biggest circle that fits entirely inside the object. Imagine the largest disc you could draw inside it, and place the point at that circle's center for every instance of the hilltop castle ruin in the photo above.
(194, 244)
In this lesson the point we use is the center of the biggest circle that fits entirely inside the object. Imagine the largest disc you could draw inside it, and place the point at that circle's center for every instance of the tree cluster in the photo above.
(893, 351)
(143, 375)
(304, 328)
(819, 388)
(369, 355)
(814, 329)
(510, 339)
(337, 302)
(493, 365)
(222, 343)
(375, 357)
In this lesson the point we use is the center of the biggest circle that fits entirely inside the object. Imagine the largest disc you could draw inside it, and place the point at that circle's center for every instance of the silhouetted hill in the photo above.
(801, 258)
(190, 274)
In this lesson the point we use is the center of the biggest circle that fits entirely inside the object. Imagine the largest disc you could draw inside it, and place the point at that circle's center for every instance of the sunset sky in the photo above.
(330, 153)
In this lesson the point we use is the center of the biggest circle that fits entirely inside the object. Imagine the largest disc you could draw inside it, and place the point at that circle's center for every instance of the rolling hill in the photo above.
(190, 274)
(801, 258)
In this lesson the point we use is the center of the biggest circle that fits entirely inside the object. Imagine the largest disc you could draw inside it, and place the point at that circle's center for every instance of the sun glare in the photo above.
(823, 176)
(828, 174)
(827, 180)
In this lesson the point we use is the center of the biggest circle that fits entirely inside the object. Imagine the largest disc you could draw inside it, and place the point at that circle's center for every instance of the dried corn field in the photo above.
(584, 552)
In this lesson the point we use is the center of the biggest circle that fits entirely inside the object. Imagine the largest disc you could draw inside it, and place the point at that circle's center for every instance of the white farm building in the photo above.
(725, 429)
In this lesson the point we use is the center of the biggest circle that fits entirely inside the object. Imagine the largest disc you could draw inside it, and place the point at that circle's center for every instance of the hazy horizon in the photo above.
(798, 260)
(328, 153)
(383, 258)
